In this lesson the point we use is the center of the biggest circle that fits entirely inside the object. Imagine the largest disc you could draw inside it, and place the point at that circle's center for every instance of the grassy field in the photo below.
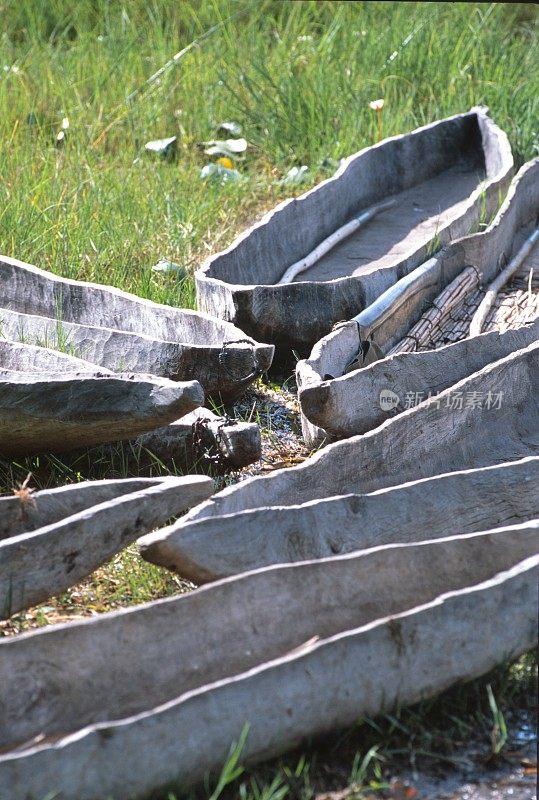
(83, 87)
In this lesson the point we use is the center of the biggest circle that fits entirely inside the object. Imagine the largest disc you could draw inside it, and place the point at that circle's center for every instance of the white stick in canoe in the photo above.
(332, 240)
(487, 302)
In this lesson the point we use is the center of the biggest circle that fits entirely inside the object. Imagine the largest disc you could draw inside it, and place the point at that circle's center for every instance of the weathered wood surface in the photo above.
(123, 332)
(379, 662)
(426, 440)
(433, 174)
(390, 317)
(52, 505)
(62, 411)
(465, 501)
(43, 562)
(20, 357)
(350, 405)
(264, 612)
(203, 439)
(499, 282)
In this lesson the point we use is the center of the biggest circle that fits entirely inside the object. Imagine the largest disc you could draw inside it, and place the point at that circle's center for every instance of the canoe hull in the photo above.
(324, 685)
(239, 284)
(335, 405)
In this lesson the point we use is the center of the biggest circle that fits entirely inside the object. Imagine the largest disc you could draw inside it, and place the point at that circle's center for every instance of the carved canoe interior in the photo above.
(438, 177)
(339, 390)
(38, 563)
(122, 332)
(262, 679)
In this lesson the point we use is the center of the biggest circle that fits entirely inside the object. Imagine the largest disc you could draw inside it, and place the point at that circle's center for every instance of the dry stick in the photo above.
(466, 282)
(332, 240)
(487, 302)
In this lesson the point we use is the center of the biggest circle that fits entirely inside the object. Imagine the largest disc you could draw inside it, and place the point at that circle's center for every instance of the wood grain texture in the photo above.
(239, 284)
(122, 332)
(465, 501)
(390, 317)
(44, 562)
(42, 412)
(21, 357)
(52, 505)
(423, 441)
(350, 404)
(203, 439)
(325, 684)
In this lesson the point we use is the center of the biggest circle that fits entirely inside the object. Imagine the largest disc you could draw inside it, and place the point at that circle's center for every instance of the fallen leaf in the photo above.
(166, 148)
(295, 175)
(219, 174)
(234, 128)
(225, 146)
(163, 265)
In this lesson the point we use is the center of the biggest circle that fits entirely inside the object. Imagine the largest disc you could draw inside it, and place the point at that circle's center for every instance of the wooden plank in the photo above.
(123, 332)
(52, 505)
(426, 440)
(240, 283)
(46, 412)
(390, 316)
(470, 500)
(325, 684)
(42, 563)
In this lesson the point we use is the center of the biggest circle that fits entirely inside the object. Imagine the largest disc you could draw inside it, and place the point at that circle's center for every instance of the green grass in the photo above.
(298, 78)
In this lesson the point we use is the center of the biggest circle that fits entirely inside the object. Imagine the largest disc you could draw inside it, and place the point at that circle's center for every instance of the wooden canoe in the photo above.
(428, 439)
(465, 501)
(53, 505)
(338, 401)
(203, 440)
(76, 730)
(56, 412)
(44, 561)
(441, 177)
(126, 333)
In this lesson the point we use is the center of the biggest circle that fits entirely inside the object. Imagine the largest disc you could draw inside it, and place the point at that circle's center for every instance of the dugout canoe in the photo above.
(340, 384)
(431, 438)
(125, 333)
(38, 563)
(442, 178)
(464, 501)
(57, 412)
(460, 606)
(21, 357)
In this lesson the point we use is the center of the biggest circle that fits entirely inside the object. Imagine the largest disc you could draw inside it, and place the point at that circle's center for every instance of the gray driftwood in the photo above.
(426, 440)
(322, 377)
(392, 645)
(123, 332)
(439, 175)
(466, 501)
(62, 411)
(52, 505)
(43, 562)
(203, 439)
(20, 357)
